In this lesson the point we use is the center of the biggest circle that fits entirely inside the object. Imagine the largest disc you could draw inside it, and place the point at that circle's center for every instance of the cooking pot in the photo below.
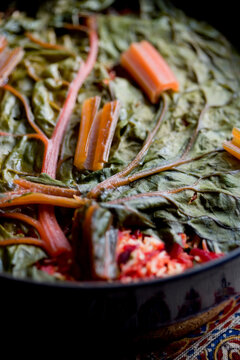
(161, 308)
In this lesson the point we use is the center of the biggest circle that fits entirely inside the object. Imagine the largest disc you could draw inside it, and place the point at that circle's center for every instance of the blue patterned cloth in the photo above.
(217, 340)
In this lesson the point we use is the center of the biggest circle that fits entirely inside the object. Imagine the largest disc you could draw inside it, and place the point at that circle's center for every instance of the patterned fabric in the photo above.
(217, 340)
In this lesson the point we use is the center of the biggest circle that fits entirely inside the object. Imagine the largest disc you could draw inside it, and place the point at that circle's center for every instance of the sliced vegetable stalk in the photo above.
(96, 134)
(95, 242)
(236, 137)
(233, 147)
(149, 69)
(89, 112)
(107, 125)
(9, 59)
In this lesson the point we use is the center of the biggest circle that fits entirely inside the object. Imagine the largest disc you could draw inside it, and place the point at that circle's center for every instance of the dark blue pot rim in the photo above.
(102, 285)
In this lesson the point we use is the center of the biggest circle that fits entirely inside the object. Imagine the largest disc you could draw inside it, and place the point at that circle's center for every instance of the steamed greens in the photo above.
(200, 196)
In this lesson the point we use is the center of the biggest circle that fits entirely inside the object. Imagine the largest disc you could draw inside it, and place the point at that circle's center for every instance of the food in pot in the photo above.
(117, 158)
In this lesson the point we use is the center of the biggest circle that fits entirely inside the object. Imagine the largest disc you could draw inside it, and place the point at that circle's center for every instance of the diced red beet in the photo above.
(125, 255)
(204, 255)
(176, 251)
(185, 259)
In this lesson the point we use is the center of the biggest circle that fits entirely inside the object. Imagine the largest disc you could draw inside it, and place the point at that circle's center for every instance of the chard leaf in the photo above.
(95, 240)
(43, 112)
(45, 179)
(22, 257)
(17, 259)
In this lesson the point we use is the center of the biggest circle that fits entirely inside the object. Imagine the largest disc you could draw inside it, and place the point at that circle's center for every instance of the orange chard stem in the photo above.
(107, 125)
(232, 149)
(23, 240)
(65, 82)
(27, 219)
(11, 194)
(149, 69)
(51, 156)
(45, 44)
(9, 59)
(46, 189)
(236, 132)
(236, 137)
(55, 106)
(151, 194)
(30, 136)
(88, 116)
(76, 27)
(3, 43)
(30, 71)
(96, 134)
(204, 245)
(29, 114)
(56, 240)
(27, 198)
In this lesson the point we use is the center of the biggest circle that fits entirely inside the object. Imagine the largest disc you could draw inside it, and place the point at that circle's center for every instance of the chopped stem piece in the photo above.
(96, 134)
(89, 112)
(232, 149)
(149, 69)
(236, 137)
(107, 125)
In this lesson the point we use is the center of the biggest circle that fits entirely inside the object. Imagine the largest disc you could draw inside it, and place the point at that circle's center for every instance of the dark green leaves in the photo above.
(95, 240)
(17, 259)
(43, 112)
